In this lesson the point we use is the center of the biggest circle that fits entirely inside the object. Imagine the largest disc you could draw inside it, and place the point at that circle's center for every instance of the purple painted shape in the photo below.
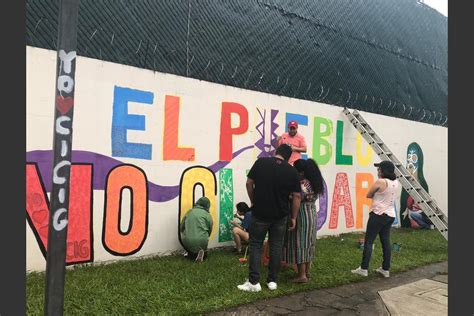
(260, 128)
(323, 208)
(266, 149)
(221, 163)
(273, 128)
(102, 166)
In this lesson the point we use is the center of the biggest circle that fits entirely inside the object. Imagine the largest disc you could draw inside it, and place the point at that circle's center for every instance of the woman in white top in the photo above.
(381, 217)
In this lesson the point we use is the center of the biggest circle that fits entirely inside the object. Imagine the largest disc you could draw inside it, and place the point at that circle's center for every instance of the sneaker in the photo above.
(249, 287)
(385, 273)
(237, 250)
(360, 271)
(272, 286)
(200, 256)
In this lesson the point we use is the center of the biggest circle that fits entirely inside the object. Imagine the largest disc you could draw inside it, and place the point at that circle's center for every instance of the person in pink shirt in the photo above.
(295, 140)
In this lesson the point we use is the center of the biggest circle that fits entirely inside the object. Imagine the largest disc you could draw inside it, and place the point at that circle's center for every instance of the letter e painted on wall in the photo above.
(122, 121)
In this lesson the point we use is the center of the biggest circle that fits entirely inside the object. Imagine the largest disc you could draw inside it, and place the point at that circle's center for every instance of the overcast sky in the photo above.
(440, 5)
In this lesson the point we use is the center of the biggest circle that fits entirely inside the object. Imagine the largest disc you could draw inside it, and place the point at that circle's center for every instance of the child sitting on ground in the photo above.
(240, 231)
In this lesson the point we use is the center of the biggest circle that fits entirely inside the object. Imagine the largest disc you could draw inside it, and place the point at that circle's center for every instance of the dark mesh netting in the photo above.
(381, 56)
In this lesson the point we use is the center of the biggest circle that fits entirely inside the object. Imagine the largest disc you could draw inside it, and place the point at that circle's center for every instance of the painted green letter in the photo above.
(319, 142)
(341, 159)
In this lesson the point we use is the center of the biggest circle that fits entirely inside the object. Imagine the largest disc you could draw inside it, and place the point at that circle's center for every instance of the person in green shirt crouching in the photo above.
(195, 228)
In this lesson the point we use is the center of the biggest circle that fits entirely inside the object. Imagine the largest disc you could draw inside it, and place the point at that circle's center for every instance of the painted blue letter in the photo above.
(122, 121)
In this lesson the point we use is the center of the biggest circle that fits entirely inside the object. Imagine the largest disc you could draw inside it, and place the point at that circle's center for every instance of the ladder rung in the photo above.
(408, 181)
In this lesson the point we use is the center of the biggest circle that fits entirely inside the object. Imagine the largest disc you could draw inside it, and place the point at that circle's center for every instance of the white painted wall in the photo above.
(199, 127)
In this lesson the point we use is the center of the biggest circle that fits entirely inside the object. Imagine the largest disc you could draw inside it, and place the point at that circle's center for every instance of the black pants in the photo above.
(378, 225)
(276, 233)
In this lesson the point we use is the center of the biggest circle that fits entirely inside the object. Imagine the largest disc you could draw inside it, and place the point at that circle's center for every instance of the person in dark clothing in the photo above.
(195, 228)
(240, 232)
(270, 183)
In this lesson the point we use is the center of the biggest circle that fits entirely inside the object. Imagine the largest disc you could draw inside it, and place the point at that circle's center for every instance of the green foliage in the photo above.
(174, 285)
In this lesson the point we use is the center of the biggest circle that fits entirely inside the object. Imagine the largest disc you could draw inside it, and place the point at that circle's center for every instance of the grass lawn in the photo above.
(173, 285)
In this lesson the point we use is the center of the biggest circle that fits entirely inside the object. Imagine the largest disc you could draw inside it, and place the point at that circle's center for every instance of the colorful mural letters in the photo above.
(140, 174)
(322, 149)
(227, 131)
(116, 241)
(122, 121)
(206, 180)
(171, 149)
(79, 235)
(226, 204)
(341, 198)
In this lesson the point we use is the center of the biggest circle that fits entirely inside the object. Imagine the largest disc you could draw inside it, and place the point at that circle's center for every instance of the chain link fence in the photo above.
(381, 56)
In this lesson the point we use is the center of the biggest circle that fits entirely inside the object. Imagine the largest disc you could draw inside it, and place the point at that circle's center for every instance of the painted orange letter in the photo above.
(171, 149)
(363, 182)
(115, 241)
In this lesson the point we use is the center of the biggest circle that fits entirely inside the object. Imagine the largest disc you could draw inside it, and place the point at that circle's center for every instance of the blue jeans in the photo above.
(378, 225)
(276, 233)
(418, 218)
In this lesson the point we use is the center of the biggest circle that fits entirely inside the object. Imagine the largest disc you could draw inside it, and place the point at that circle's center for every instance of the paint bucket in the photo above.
(396, 247)
(243, 261)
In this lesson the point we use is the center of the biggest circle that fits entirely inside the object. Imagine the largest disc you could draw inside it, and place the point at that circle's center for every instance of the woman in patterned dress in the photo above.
(300, 244)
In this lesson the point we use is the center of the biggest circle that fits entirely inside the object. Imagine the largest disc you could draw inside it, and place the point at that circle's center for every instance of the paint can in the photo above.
(361, 243)
(396, 247)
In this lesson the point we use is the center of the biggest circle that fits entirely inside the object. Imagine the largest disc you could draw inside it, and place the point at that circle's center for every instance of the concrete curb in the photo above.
(360, 298)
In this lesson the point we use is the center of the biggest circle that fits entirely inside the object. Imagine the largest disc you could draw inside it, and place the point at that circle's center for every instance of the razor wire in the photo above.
(103, 35)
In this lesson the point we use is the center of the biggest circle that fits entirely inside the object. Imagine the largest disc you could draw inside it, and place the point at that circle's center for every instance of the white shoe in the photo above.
(249, 287)
(272, 286)
(360, 271)
(385, 273)
(200, 256)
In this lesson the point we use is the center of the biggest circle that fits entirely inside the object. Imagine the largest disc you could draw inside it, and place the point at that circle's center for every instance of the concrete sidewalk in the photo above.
(422, 286)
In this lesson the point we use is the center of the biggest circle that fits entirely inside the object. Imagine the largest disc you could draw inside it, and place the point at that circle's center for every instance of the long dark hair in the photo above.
(311, 172)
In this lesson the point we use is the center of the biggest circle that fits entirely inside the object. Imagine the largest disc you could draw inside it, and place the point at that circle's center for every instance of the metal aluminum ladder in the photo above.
(409, 183)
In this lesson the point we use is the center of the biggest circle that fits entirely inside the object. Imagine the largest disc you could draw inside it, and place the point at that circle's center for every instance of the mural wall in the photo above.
(147, 145)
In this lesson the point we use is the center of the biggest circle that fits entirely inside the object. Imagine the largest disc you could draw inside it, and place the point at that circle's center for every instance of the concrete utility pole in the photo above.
(62, 141)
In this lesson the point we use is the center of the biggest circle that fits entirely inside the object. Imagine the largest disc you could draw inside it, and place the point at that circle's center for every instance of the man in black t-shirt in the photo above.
(270, 182)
